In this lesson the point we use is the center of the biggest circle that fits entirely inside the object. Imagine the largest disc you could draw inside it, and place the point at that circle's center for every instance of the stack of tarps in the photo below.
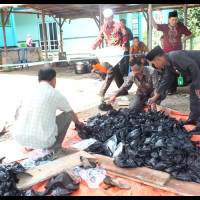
(140, 138)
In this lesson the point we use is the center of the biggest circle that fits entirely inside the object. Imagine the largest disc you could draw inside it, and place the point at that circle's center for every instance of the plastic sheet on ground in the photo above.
(93, 176)
(137, 188)
(84, 144)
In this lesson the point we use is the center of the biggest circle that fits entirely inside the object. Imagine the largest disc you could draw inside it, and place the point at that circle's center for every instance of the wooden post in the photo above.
(60, 27)
(185, 21)
(4, 32)
(100, 22)
(147, 20)
(150, 28)
(61, 36)
(44, 33)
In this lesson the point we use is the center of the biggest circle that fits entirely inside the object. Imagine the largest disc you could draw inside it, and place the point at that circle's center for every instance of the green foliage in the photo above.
(144, 37)
(193, 24)
(193, 20)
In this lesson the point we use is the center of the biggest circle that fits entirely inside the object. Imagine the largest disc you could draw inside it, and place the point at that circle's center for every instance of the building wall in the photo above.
(28, 24)
(11, 39)
(78, 34)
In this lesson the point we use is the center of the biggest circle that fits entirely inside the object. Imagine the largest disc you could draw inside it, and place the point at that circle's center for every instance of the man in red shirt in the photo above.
(172, 33)
(114, 35)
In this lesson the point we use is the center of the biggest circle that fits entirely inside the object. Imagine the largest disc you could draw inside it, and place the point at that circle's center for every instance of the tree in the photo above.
(193, 23)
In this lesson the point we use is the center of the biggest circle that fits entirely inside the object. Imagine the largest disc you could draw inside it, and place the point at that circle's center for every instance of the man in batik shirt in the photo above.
(146, 79)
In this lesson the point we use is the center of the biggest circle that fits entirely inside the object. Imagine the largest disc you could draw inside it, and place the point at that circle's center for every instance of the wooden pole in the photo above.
(44, 33)
(150, 28)
(60, 27)
(4, 32)
(61, 36)
(100, 22)
(185, 21)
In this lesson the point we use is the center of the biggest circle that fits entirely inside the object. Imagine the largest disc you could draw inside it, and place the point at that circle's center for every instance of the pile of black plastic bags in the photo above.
(140, 138)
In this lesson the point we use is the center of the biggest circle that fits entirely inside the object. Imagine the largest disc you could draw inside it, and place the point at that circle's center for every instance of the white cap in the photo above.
(107, 12)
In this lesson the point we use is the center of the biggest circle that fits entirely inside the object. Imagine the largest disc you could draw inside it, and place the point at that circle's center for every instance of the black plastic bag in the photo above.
(60, 185)
(105, 107)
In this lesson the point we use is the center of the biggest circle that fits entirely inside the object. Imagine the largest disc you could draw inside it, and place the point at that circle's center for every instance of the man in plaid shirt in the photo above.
(146, 79)
(37, 126)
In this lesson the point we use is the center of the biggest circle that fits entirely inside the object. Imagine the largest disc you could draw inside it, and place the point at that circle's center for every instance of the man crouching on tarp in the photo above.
(185, 62)
(146, 79)
(37, 126)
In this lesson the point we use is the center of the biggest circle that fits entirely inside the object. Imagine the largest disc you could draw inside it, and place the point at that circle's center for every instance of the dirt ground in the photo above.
(178, 101)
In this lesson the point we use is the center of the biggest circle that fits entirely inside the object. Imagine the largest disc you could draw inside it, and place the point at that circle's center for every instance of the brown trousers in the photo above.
(63, 121)
(112, 73)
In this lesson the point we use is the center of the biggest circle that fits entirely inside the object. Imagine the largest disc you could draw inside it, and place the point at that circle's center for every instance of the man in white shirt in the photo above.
(37, 126)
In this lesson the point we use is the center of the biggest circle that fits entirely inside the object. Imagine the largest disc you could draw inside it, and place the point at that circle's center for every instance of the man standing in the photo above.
(124, 64)
(37, 126)
(172, 33)
(186, 63)
(29, 41)
(146, 79)
(114, 35)
(138, 48)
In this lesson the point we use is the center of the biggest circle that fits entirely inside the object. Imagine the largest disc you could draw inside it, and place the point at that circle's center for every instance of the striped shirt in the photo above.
(36, 125)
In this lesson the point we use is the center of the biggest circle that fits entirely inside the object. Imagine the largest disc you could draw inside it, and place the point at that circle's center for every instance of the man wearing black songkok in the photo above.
(186, 63)
(173, 40)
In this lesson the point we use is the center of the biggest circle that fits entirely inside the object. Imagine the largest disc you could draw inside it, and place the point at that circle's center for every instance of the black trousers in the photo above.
(174, 84)
(112, 73)
(124, 64)
(194, 106)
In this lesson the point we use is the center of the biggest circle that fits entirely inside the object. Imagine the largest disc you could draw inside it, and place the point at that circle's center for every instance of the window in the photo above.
(135, 26)
(51, 36)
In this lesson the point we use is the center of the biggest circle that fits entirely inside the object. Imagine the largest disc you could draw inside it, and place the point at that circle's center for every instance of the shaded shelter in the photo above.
(76, 11)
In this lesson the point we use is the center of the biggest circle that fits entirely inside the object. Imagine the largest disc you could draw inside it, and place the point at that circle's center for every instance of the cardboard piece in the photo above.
(112, 55)
(123, 103)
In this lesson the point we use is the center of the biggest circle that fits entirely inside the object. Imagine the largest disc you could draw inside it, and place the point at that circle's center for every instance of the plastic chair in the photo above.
(24, 53)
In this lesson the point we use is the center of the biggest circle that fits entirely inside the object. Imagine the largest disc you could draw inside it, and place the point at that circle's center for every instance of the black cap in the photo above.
(173, 14)
(154, 52)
